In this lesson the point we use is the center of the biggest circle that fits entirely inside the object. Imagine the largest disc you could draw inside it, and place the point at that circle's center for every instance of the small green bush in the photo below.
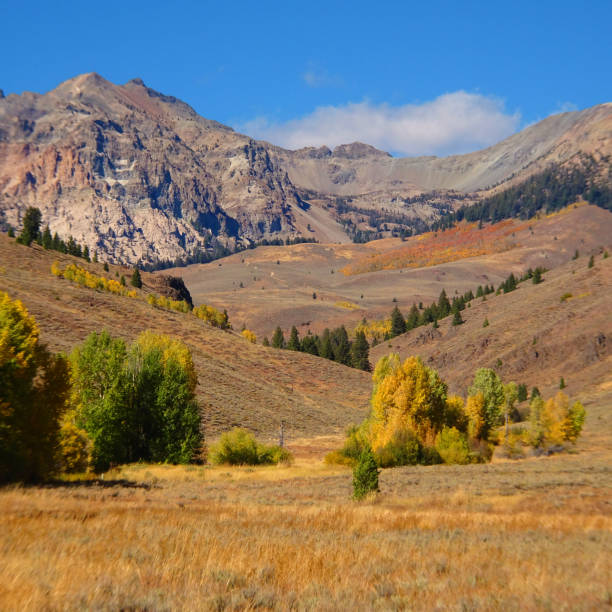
(239, 447)
(356, 442)
(402, 449)
(365, 475)
(452, 446)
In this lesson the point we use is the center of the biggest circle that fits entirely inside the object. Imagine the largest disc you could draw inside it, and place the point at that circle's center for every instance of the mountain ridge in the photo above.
(141, 177)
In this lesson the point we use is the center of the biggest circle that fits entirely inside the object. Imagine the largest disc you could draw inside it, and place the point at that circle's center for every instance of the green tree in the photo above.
(309, 345)
(278, 339)
(487, 382)
(444, 306)
(365, 475)
(47, 239)
(413, 318)
(265, 341)
(510, 398)
(136, 404)
(398, 323)
(34, 387)
(457, 319)
(31, 226)
(536, 279)
(294, 340)
(522, 392)
(325, 346)
(136, 280)
(360, 351)
(341, 347)
(591, 261)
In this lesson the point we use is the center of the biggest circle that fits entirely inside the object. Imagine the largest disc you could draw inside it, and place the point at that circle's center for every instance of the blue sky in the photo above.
(414, 78)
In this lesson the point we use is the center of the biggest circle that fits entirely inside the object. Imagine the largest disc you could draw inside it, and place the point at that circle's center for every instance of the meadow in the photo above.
(526, 535)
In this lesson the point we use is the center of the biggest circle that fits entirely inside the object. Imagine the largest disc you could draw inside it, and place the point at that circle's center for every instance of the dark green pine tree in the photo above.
(325, 346)
(444, 306)
(341, 346)
(536, 279)
(365, 475)
(309, 345)
(136, 280)
(479, 291)
(294, 340)
(360, 352)
(31, 226)
(86, 253)
(398, 323)
(266, 342)
(47, 239)
(457, 320)
(413, 318)
(278, 339)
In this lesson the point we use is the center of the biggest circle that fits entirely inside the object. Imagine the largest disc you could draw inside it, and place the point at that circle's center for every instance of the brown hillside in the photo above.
(278, 282)
(536, 334)
(239, 383)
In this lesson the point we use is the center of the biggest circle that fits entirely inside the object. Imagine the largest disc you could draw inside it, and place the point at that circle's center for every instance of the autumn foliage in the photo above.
(432, 248)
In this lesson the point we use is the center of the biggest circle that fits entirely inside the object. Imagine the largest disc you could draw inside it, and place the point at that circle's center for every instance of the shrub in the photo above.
(249, 335)
(403, 449)
(452, 446)
(356, 442)
(365, 475)
(239, 447)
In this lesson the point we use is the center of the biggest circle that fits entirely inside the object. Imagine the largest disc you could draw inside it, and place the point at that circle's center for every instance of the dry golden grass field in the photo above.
(526, 535)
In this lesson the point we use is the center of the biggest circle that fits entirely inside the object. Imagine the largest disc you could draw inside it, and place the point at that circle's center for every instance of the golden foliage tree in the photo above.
(408, 396)
(34, 386)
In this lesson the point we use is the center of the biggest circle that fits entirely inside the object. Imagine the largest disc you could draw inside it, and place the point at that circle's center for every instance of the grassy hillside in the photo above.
(239, 383)
(272, 286)
(536, 334)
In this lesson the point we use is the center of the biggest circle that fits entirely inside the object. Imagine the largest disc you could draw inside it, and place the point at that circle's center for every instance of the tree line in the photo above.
(548, 191)
(414, 420)
(334, 345)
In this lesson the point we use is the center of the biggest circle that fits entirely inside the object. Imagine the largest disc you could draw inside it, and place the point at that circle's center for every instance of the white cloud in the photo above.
(456, 122)
(314, 77)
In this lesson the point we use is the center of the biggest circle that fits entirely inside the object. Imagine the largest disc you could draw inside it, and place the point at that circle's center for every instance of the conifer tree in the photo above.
(47, 239)
(537, 276)
(278, 339)
(266, 342)
(31, 226)
(325, 346)
(413, 318)
(457, 320)
(294, 340)
(444, 306)
(398, 324)
(360, 352)
(136, 280)
(341, 347)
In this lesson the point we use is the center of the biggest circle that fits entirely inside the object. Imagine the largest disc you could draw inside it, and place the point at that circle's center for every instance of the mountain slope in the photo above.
(356, 169)
(239, 383)
(536, 334)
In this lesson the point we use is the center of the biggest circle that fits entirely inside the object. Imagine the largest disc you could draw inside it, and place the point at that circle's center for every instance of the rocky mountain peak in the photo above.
(358, 150)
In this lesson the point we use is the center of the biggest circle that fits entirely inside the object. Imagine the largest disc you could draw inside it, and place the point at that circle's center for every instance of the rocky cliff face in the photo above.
(136, 175)
(139, 176)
